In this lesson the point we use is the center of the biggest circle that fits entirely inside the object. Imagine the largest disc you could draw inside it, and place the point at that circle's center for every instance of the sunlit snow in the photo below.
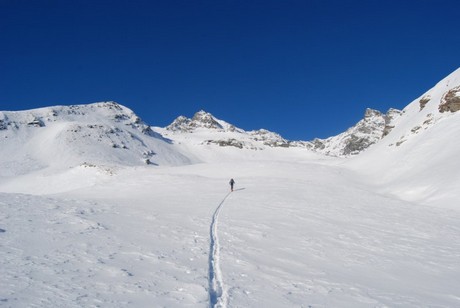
(96, 210)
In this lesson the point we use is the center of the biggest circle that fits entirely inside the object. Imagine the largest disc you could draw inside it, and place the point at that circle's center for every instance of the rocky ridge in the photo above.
(224, 134)
(374, 127)
(368, 131)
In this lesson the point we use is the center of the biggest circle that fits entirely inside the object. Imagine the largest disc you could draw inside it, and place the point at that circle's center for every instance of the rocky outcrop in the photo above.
(371, 129)
(227, 143)
(180, 124)
(3, 121)
(423, 101)
(450, 101)
(201, 119)
(35, 121)
(269, 138)
(389, 117)
(206, 120)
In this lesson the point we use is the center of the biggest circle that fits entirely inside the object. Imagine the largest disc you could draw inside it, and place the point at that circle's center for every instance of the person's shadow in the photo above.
(239, 189)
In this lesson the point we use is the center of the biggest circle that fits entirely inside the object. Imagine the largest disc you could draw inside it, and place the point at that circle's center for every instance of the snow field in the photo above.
(293, 234)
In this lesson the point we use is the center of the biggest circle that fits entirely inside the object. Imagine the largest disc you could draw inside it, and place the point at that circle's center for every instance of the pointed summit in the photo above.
(205, 119)
(201, 119)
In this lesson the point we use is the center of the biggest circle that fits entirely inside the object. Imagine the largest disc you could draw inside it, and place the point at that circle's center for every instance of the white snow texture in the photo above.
(98, 209)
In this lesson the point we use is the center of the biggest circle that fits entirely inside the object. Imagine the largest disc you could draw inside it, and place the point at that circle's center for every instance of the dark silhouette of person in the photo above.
(232, 182)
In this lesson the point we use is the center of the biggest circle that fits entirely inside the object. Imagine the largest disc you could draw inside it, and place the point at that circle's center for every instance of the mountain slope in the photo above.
(370, 130)
(418, 159)
(67, 136)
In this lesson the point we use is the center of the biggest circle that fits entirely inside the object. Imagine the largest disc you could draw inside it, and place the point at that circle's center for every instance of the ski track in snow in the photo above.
(218, 296)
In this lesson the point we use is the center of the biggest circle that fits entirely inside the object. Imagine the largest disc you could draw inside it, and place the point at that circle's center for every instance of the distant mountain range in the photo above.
(373, 128)
(108, 133)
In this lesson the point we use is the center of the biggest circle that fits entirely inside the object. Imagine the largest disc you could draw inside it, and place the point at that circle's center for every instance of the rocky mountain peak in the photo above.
(372, 113)
(373, 127)
(205, 119)
(201, 119)
(215, 131)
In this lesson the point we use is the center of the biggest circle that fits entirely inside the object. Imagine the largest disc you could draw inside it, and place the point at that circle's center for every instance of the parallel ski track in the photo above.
(218, 297)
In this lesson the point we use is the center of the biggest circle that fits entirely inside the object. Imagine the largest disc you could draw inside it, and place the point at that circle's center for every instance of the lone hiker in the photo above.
(232, 182)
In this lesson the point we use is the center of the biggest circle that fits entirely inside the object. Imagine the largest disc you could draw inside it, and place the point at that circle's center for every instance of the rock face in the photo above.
(270, 138)
(373, 127)
(206, 120)
(201, 119)
(423, 101)
(450, 101)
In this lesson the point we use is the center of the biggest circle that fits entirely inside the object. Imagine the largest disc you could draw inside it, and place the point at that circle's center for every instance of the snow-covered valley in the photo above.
(98, 209)
(291, 235)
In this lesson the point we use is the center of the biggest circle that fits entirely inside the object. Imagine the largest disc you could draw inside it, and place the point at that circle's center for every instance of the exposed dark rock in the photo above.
(450, 101)
(356, 145)
(318, 144)
(204, 119)
(368, 131)
(225, 143)
(35, 121)
(423, 101)
(389, 117)
(3, 121)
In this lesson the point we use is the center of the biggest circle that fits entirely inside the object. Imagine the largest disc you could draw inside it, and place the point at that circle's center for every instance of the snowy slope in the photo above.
(418, 160)
(65, 136)
(63, 147)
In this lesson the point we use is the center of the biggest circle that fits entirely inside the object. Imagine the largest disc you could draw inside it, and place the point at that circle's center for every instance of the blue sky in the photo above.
(304, 69)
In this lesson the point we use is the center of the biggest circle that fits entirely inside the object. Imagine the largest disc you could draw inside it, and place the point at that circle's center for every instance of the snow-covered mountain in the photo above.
(203, 128)
(435, 105)
(370, 130)
(67, 136)
(418, 159)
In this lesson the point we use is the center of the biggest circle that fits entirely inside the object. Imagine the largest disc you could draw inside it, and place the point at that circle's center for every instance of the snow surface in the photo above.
(292, 234)
(100, 228)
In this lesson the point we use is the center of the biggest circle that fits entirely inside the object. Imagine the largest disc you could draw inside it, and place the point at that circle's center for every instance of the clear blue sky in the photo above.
(303, 69)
